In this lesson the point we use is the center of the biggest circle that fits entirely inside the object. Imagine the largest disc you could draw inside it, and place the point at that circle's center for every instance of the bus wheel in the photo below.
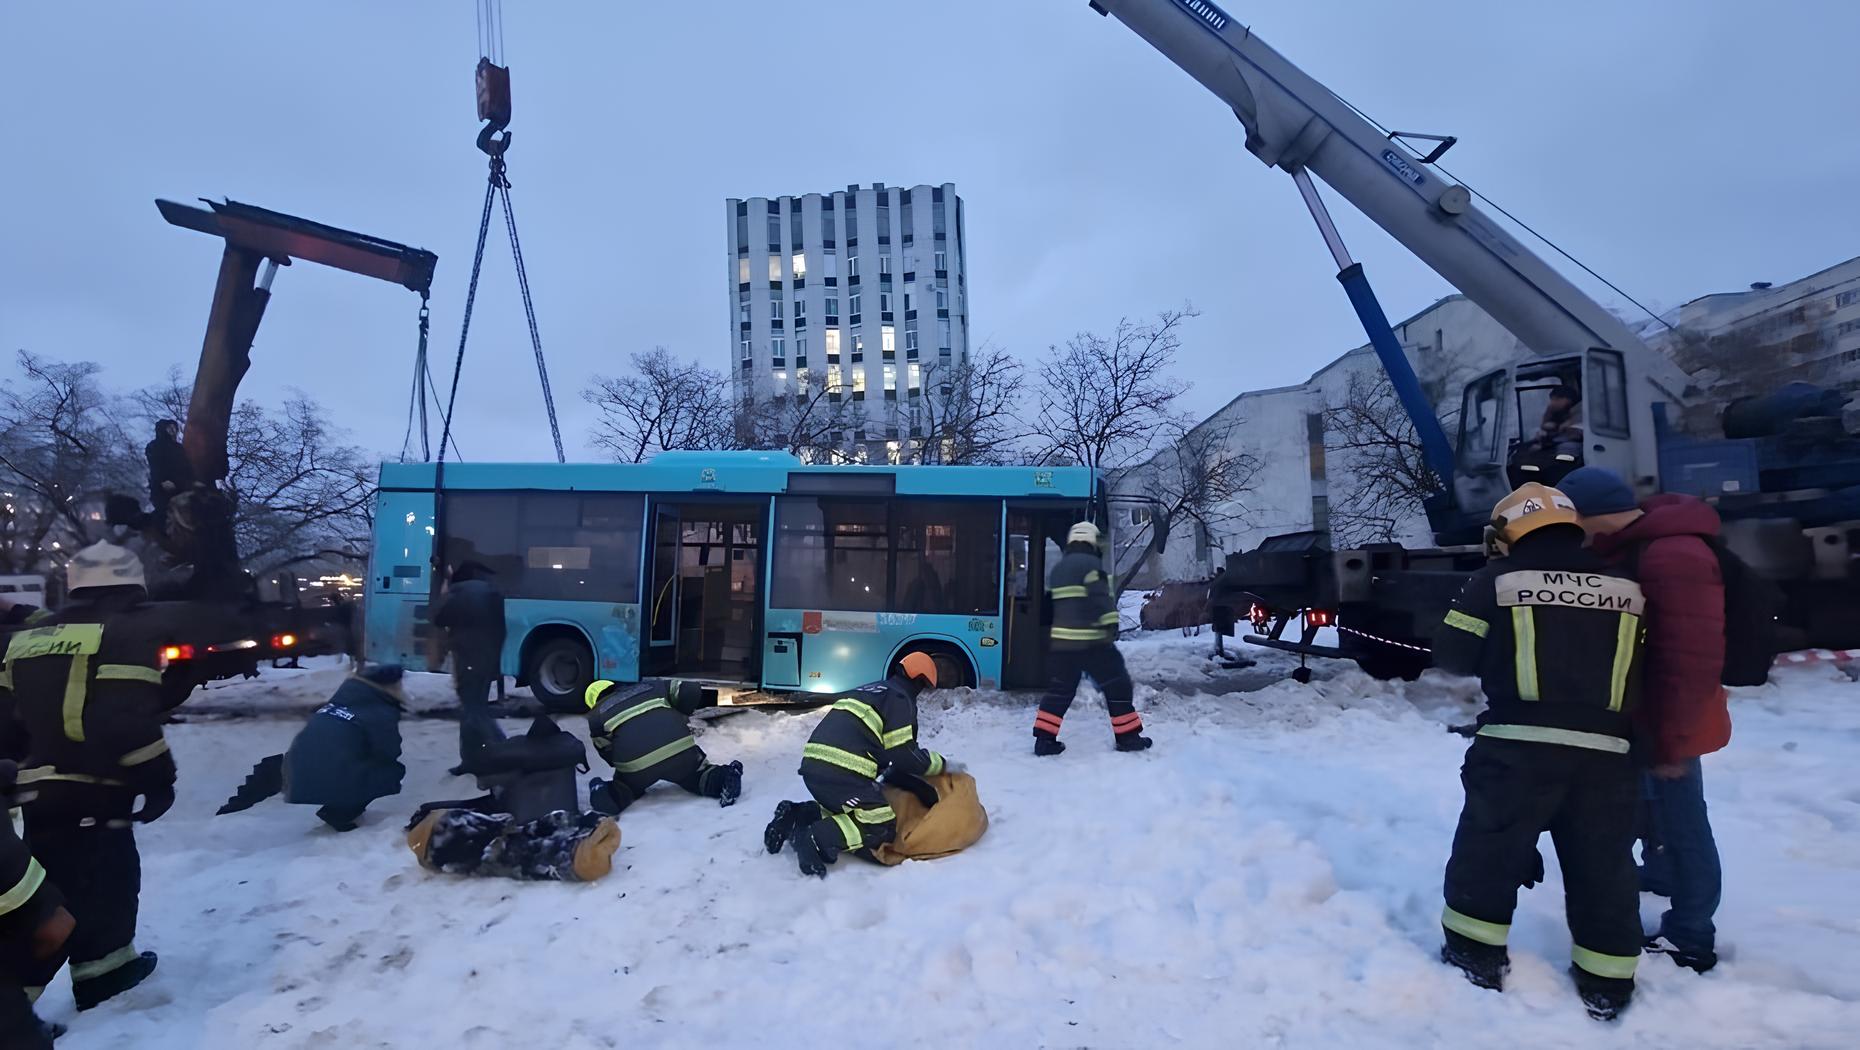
(561, 670)
(952, 669)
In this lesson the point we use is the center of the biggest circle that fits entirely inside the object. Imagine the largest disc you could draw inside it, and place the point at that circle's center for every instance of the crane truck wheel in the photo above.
(561, 669)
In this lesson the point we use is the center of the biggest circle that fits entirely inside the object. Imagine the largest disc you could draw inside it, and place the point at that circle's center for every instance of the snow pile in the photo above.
(1268, 875)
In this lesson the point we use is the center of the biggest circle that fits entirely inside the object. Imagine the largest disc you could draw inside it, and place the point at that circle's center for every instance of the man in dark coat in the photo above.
(644, 734)
(868, 733)
(472, 615)
(170, 473)
(1666, 542)
(346, 756)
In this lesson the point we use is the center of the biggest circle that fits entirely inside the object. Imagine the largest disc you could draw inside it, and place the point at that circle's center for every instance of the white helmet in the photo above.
(1083, 532)
(103, 564)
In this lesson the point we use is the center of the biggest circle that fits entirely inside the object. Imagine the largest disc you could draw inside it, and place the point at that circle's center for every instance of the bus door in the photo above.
(706, 590)
(1035, 538)
(400, 580)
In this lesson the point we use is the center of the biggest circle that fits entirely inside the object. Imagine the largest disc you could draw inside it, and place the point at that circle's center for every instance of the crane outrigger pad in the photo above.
(275, 235)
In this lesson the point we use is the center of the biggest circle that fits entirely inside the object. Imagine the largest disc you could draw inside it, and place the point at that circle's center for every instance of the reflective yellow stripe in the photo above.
(936, 764)
(145, 754)
(653, 758)
(1493, 933)
(846, 760)
(875, 815)
(897, 737)
(634, 712)
(1093, 576)
(1524, 632)
(1108, 620)
(93, 970)
(75, 693)
(1079, 634)
(865, 714)
(1627, 638)
(1620, 967)
(849, 831)
(28, 884)
(38, 616)
(128, 673)
(1566, 737)
(1470, 624)
(42, 773)
(66, 639)
(1067, 592)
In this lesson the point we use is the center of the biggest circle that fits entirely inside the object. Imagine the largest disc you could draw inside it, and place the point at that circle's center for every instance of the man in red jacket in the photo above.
(1666, 542)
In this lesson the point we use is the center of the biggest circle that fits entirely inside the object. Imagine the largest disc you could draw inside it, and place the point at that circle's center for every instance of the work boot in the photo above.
(732, 786)
(601, 799)
(1603, 997)
(1133, 742)
(1047, 745)
(97, 990)
(788, 817)
(812, 856)
(1696, 961)
(1485, 965)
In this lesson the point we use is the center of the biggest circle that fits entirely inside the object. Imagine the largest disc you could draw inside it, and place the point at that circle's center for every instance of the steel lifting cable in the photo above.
(471, 298)
(416, 404)
(529, 311)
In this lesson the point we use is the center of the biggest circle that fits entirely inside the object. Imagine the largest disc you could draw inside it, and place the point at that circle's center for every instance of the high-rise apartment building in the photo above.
(858, 298)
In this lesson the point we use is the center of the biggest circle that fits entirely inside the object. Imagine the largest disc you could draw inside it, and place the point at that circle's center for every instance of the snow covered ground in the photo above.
(1267, 876)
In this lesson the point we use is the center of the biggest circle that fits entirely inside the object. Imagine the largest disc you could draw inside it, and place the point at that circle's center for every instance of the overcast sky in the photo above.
(1679, 146)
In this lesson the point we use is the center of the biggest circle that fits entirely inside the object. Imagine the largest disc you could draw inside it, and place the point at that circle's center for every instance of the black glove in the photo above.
(915, 785)
(155, 802)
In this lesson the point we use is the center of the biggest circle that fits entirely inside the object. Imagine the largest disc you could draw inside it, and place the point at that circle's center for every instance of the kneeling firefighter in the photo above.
(87, 688)
(868, 733)
(643, 734)
(1555, 638)
(346, 756)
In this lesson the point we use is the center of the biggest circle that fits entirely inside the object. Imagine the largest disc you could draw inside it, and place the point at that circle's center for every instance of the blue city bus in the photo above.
(749, 570)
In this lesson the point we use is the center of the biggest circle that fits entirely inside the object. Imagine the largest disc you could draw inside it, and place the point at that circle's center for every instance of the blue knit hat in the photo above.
(1597, 490)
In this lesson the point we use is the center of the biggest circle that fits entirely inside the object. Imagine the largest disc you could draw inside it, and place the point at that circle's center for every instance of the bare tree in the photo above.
(62, 450)
(1752, 359)
(812, 421)
(1107, 401)
(297, 491)
(971, 409)
(1196, 480)
(664, 404)
(1374, 453)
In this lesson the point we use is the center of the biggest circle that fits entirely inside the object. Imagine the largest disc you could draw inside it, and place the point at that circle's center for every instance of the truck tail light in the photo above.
(172, 653)
(1258, 614)
(283, 641)
(1320, 618)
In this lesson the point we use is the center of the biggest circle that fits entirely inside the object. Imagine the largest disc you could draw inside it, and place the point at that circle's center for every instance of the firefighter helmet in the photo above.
(1532, 506)
(919, 665)
(1083, 532)
(101, 565)
(595, 691)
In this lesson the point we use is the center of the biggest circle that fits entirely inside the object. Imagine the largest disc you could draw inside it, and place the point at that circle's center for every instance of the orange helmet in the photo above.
(919, 665)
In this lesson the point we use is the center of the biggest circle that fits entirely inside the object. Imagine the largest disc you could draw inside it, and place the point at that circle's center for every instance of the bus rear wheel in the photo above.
(952, 668)
(561, 670)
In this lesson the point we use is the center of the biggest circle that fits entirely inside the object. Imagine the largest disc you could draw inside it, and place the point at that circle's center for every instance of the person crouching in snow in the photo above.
(868, 732)
(643, 734)
(346, 756)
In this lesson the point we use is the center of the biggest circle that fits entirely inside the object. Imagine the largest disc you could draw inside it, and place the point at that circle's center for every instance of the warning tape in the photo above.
(1818, 656)
(1384, 641)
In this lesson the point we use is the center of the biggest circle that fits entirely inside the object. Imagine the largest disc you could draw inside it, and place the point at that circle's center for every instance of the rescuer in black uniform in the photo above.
(472, 614)
(1084, 642)
(87, 687)
(34, 927)
(642, 732)
(170, 473)
(1555, 638)
(869, 732)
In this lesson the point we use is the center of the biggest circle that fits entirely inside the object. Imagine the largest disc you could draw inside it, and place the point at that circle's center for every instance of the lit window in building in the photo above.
(800, 266)
(833, 379)
(775, 266)
(858, 347)
(887, 340)
(781, 377)
(916, 376)
(833, 345)
(859, 454)
(800, 378)
(891, 379)
(742, 270)
(858, 380)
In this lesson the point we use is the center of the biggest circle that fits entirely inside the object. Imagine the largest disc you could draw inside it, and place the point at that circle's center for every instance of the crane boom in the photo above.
(1294, 122)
